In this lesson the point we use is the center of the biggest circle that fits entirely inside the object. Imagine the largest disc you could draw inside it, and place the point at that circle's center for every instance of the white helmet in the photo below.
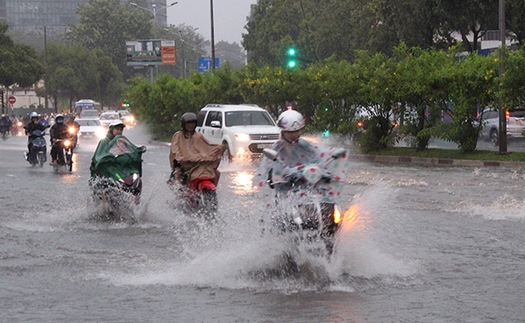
(290, 120)
(115, 123)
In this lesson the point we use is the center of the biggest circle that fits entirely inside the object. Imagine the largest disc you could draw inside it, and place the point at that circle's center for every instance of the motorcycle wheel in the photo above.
(41, 159)
(210, 200)
(69, 161)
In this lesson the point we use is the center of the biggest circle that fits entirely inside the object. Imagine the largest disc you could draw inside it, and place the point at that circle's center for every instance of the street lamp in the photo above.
(153, 10)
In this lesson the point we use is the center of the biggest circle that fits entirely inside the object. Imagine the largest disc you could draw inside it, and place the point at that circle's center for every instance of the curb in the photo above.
(436, 161)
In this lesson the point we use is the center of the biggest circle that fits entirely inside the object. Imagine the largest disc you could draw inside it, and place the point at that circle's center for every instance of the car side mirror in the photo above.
(215, 124)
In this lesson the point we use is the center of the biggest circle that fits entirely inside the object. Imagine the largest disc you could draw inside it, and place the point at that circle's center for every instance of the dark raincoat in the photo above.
(116, 157)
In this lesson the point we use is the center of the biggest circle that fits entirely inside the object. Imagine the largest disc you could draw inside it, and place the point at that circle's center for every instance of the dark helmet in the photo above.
(187, 117)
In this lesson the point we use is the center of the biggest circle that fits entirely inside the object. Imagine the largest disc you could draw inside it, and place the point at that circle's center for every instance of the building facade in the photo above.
(29, 15)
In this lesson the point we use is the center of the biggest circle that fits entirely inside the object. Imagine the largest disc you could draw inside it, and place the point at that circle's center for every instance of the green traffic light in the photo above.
(292, 64)
(291, 52)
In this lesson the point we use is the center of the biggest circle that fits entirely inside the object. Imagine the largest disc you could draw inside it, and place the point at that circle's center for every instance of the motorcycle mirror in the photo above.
(339, 152)
(144, 149)
(270, 154)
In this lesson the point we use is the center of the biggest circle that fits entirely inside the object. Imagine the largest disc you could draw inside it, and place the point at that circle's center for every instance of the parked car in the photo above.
(106, 118)
(246, 129)
(91, 129)
(515, 124)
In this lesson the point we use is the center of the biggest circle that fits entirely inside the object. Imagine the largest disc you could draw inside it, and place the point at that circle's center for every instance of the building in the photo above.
(29, 15)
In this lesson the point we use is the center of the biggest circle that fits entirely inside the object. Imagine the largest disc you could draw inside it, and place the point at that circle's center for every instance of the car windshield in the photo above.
(109, 116)
(89, 113)
(88, 122)
(248, 118)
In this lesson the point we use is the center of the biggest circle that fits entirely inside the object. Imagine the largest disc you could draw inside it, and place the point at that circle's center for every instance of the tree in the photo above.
(230, 52)
(107, 25)
(19, 63)
(77, 72)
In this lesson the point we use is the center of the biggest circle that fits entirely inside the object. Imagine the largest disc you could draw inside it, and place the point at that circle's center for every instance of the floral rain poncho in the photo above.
(303, 153)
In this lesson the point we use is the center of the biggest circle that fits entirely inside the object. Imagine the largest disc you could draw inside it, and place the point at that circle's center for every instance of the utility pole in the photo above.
(502, 112)
(212, 37)
(45, 70)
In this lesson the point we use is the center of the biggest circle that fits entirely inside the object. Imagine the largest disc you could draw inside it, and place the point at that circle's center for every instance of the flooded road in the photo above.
(418, 244)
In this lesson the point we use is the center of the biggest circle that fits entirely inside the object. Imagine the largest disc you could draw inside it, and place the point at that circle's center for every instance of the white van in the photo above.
(246, 129)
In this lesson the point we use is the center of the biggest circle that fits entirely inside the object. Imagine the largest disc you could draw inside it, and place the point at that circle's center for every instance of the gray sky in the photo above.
(229, 17)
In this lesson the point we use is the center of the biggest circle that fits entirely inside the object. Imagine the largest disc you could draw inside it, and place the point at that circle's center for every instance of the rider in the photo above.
(5, 124)
(191, 155)
(293, 150)
(58, 131)
(116, 152)
(31, 126)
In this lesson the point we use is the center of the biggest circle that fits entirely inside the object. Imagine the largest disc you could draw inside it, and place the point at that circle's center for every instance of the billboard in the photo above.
(150, 52)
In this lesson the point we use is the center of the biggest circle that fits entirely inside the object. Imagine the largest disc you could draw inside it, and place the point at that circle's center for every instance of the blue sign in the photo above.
(205, 64)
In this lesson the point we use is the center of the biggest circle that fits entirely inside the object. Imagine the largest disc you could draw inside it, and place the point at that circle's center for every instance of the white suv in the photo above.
(246, 129)
(515, 124)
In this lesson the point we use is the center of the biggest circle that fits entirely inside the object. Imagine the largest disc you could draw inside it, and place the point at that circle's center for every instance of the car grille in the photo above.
(258, 136)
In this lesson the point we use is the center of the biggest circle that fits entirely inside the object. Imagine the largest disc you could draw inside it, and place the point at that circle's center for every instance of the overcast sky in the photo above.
(229, 17)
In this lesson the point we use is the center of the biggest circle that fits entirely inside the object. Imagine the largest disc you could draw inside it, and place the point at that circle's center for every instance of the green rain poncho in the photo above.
(116, 157)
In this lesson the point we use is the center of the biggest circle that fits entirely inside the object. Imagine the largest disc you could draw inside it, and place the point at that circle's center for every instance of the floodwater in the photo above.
(418, 244)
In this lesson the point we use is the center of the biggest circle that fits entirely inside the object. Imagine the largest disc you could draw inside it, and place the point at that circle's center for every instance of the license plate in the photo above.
(262, 146)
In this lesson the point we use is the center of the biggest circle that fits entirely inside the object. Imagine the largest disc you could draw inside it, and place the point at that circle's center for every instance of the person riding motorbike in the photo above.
(293, 150)
(58, 131)
(191, 155)
(31, 126)
(116, 153)
(5, 125)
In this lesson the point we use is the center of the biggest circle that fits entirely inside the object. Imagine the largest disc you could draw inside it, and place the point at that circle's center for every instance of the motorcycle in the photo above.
(5, 132)
(37, 150)
(306, 197)
(117, 186)
(65, 155)
(199, 195)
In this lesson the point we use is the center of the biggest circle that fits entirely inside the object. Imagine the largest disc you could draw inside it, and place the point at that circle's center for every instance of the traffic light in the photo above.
(125, 105)
(291, 57)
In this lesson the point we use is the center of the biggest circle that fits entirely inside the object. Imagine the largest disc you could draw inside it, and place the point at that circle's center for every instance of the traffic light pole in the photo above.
(2, 98)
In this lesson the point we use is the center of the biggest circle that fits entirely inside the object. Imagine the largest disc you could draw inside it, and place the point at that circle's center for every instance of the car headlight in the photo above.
(100, 133)
(242, 137)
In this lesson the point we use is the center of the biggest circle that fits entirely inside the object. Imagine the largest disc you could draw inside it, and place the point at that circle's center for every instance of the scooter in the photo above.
(37, 152)
(306, 197)
(65, 155)
(198, 195)
(118, 191)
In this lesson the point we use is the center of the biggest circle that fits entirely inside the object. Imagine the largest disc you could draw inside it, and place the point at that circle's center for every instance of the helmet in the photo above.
(34, 115)
(116, 123)
(187, 117)
(61, 117)
(290, 120)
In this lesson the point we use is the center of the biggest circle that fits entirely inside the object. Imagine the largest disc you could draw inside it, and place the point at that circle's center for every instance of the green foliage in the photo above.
(19, 63)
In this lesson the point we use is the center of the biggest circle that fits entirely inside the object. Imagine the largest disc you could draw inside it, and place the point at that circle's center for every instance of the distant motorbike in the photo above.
(306, 197)
(118, 186)
(65, 155)
(5, 132)
(37, 150)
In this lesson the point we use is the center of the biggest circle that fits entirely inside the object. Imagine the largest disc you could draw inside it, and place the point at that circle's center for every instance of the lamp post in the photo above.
(502, 113)
(154, 11)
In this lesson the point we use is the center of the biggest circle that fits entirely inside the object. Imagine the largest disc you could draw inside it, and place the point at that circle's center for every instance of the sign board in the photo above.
(169, 56)
(150, 52)
(205, 64)
(11, 99)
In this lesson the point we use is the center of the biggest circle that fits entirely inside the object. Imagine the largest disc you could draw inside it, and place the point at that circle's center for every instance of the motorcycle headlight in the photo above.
(19, 123)
(67, 143)
(100, 133)
(71, 130)
(338, 216)
(242, 137)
